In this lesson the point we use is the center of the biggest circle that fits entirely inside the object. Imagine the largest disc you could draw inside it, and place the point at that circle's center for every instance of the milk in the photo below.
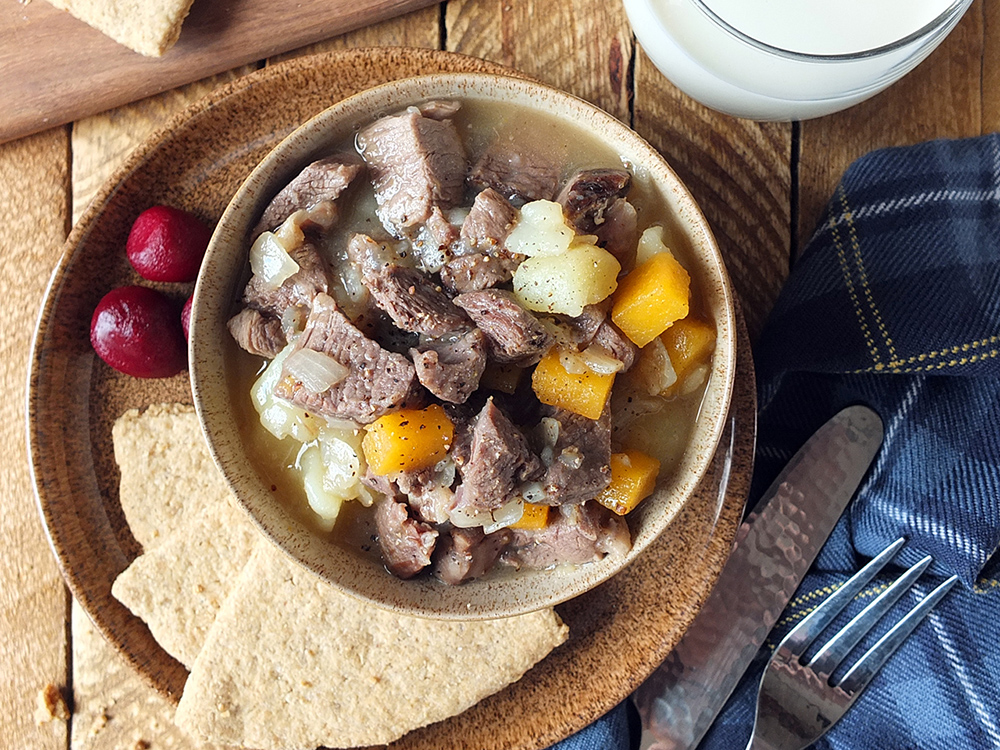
(743, 77)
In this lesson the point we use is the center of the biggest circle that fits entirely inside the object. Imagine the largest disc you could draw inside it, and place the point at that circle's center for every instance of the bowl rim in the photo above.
(424, 598)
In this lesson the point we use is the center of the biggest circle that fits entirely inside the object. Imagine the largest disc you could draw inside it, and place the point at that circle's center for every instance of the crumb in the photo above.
(51, 705)
(100, 721)
(141, 745)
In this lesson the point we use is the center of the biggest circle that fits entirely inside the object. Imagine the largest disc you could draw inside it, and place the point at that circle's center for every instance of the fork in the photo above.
(797, 702)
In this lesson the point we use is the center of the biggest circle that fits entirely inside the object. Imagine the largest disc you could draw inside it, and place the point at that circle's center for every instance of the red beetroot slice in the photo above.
(138, 331)
(167, 244)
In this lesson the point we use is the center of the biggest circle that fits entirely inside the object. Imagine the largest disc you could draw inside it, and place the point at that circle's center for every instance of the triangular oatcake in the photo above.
(292, 663)
(149, 27)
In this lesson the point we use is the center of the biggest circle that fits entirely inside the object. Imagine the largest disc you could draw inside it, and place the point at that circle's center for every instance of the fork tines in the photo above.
(798, 702)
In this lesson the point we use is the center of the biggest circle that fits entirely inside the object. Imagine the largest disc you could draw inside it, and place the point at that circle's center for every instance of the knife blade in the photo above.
(774, 548)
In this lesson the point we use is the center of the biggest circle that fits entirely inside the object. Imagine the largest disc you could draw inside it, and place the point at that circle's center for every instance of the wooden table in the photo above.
(762, 187)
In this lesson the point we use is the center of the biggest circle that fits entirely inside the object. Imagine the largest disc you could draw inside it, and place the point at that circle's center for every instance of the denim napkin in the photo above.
(895, 303)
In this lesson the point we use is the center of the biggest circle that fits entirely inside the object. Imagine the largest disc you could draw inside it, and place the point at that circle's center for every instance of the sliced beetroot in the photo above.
(138, 331)
(167, 244)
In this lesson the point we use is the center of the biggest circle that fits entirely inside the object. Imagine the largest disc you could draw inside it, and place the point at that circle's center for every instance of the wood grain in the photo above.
(59, 69)
(582, 46)
(941, 98)
(34, 184)
(739, 173)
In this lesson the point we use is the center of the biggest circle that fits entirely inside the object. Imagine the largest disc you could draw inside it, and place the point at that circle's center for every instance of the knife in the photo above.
(774, 548)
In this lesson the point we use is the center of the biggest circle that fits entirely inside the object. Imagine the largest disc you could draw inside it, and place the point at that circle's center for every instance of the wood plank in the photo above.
(34, 188)
(739, 173)
(581, 46)
(59, 69)
(941, 98)
(991, 67)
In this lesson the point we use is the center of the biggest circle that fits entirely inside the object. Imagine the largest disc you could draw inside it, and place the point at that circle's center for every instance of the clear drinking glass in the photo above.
(728, 57)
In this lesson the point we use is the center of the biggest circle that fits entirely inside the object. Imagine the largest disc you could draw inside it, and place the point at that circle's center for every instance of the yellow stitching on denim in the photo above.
(985, 586)
(951, 350)
(863, 274)
(846, 272)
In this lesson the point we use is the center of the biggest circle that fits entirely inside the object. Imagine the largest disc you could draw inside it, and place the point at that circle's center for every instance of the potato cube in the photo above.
(408, 440)
(583, 275)
(541, 229)
(633, 479)
(583, 393)
(651, 298)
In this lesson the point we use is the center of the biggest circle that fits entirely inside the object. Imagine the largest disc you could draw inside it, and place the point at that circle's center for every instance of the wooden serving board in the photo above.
(55, 68)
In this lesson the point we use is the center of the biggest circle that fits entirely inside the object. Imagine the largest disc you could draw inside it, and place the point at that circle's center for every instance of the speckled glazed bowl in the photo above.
(224, 273)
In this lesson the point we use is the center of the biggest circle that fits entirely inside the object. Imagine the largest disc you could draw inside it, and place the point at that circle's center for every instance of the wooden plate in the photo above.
(619, 631)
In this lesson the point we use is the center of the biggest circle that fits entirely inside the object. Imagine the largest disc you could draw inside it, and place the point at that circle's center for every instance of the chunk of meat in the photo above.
(490, 220)
(580, 464)
(588, 194)
(406, 543)
(414, 302)
(450, 367)
(464, 554)
(582, 328)
(515, 334)
(378, 380)
(417, 163)
(440, 109)
(256, 333)
(323, 181)
(617, 344)
(297, 291)
(499, 461)
(575, 534)
(472, 273)
(619, 234)
(517, 174)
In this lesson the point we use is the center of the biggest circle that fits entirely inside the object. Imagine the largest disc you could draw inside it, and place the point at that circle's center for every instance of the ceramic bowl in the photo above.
(213, 355)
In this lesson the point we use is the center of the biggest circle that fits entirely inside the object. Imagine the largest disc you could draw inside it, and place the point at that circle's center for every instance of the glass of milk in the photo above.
(788, 59)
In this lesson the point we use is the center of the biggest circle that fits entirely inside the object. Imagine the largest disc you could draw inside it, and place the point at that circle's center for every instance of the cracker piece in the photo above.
(149, 27)
(292, 663)
(178, 587)
(166, 470)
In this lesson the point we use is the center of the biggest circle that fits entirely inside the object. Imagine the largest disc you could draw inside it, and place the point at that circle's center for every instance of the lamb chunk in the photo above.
(588, 194)
(417, 163)
(428, 492)
(519, 176)
(581, 457)
(618, 345)
(464, 554)
(450, 367)
(490, 220)
(378, 382)
(321, 182)
(582, 328)
(381, 484)
(472, 273)
(515, 334)
(575, 534)
(440, 109)
(619, 234)
(499, 461)
(440, 231)
(406, 543)
(297, 291)
(256, 333)
(414, 302)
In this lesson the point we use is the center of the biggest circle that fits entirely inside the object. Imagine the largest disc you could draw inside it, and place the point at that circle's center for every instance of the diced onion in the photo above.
(533, 492)
(572, 362)
(600, 361)
(270, 261)
(650, 243)
(505, 515)
(277, 416)
(317, 371)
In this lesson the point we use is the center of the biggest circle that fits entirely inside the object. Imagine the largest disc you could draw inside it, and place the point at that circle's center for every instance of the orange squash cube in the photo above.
(650, 298)
(689, 342)
(408, 440)
(583, 393)
(535, 517)
(633, 479)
